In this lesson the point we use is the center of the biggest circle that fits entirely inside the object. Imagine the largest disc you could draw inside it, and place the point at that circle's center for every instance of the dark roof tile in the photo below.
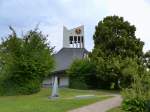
(66, 56)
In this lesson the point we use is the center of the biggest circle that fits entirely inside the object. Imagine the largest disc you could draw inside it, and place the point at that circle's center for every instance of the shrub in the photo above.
(115, 73)
(9, 87)
(137, 98)
(82, 74)
(25, 62)
(77, 83)
(134, 102)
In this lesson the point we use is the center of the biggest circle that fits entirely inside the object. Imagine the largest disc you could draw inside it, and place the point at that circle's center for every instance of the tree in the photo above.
(114, 36)
(82, 74)
(24, 63)
(116, 52)
(147, 59)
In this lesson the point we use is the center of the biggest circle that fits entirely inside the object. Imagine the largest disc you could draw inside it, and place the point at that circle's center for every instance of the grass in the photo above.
(118, 109)
(40, 103)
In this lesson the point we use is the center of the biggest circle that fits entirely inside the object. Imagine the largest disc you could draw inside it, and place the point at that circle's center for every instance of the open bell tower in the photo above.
(73, 38)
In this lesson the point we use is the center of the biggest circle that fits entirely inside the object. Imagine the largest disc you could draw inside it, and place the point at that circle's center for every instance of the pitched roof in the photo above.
(66, 56)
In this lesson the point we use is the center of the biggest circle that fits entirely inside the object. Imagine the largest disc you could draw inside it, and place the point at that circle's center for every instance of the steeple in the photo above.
(73, 38)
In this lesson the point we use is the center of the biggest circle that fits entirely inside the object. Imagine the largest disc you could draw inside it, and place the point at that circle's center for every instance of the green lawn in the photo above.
(40, 103)
(118, 109)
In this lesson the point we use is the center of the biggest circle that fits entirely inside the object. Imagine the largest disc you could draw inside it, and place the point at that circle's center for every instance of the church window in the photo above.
(71, 39)
(75, 39)
(82, 39)
(78, 39)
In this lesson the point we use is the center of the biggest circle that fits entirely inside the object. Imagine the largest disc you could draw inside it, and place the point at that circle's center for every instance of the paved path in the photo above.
(102, 106)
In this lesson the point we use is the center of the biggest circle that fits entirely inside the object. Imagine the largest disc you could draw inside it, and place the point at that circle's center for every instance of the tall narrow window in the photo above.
(78, 39)
(82, 39)
(75, 39)
(71, 39)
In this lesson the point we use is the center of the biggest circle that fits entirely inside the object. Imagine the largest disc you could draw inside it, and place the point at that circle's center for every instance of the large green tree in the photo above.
(25, 61)
(117, 52)
(114, 36)
(82, 74)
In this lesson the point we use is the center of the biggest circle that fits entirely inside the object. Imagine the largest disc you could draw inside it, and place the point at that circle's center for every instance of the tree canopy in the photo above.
(114, 36)
(25, 61)
(117, 52)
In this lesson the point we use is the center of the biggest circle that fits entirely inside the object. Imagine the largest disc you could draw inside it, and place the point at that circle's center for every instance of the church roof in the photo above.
(66, 56)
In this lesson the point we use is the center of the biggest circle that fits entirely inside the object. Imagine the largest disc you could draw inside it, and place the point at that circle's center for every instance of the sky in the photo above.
(52, 15)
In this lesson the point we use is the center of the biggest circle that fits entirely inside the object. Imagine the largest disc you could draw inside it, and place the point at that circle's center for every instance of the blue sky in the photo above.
(51, 15)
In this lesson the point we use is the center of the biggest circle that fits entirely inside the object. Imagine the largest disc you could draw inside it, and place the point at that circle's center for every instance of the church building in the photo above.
(73, 48)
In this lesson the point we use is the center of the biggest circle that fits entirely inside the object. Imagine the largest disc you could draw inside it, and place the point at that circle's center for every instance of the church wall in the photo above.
(62, 80)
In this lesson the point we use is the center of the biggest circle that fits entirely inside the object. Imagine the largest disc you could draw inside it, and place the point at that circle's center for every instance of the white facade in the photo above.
(63, 81)
(73, 38)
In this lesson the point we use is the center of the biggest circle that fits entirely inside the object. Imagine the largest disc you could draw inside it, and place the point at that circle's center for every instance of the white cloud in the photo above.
(54, 33)
(53, 14)
(137, 12)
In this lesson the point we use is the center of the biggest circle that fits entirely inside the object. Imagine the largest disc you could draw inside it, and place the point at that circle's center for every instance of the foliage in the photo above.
(114, 36)
(137, 98)
(24, 63)
(117, 52)
(147, 59)
(115, 73)
(82, 74)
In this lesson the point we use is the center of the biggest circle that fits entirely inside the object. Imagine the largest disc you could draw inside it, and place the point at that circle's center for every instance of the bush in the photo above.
(25, 62)
(105, 74)
(115, 72)
(82, 74)
(134, 102)
(77, 83)
(137, 98)
(30, 87)
(9, 87)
